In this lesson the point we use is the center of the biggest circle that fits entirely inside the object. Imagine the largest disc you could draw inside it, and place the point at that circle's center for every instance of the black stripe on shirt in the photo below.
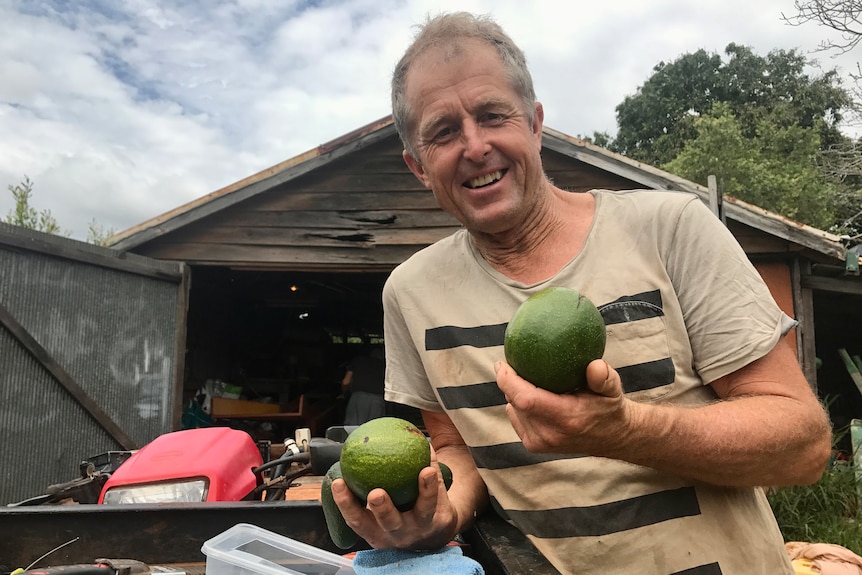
(627, 308)
(476, 396)
(637, 377)
(607, 518)
(710, 569)
(506, 455)
(647, 375)
(450, 336)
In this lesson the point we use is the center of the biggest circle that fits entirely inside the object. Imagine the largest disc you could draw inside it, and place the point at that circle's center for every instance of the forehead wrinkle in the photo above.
(487, 103)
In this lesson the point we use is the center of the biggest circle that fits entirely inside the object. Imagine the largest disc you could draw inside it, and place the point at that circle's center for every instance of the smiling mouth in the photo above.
(482, 181)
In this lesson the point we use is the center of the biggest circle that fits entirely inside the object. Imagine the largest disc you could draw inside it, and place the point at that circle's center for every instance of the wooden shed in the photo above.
(287, 265)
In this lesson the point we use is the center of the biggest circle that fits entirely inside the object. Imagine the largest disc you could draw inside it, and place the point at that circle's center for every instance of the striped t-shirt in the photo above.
(683, 306)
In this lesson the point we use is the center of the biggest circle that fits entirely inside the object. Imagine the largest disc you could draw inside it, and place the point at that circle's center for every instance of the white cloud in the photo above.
(121, 111)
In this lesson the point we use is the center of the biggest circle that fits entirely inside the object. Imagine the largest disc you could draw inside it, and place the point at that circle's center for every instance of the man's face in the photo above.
(477, 148)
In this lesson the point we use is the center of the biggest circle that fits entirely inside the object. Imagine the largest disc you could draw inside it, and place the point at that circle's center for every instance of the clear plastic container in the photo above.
(249, 550)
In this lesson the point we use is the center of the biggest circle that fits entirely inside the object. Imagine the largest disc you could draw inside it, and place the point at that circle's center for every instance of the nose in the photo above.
(476, 146)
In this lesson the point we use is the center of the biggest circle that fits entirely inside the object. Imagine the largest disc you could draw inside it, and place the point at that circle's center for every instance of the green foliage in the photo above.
(97, 234)
(655, 123)
(825, 512)
(775, 167)
(24, 215)
(601, 139)
(27, 216)
(848, 211)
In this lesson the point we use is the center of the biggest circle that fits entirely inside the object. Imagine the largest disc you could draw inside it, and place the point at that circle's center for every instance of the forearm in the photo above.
(468, 493)
(751, 441)
(765, 429)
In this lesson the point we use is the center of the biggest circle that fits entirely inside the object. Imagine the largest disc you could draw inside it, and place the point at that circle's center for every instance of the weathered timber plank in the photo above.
(763, 245)
(390, 219)
(375, 161)
(380, 200)
(89, 254)
(313, 237)
(324, 181)
(803, 305)
(851, 285)
(286, 257)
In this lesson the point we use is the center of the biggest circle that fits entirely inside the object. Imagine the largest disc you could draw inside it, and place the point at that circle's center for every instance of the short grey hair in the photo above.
(444, 30)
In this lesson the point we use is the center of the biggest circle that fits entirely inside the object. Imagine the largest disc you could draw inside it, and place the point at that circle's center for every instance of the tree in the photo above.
(26, 216)
(841, 15)
(98, 234)
(776, 169)
(655, 123)
(841, 160)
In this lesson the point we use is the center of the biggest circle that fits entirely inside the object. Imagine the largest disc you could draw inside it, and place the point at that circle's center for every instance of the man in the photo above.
(697, 402)
(363, 381)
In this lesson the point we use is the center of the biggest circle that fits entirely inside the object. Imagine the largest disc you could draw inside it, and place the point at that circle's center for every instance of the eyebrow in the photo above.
(434, 123)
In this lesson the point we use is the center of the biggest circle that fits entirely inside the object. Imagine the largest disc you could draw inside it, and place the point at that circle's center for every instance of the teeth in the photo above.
(485, 180)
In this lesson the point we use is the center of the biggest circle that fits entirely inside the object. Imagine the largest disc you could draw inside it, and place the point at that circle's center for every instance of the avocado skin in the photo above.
(447, 475)
(342, 535)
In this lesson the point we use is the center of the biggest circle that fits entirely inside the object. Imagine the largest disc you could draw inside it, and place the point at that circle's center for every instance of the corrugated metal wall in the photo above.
(110, 321)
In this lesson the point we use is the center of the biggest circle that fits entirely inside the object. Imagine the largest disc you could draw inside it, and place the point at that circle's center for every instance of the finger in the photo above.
(380, 505)
(430, 482)
(510, 383)
(348, 503)
(515, 420)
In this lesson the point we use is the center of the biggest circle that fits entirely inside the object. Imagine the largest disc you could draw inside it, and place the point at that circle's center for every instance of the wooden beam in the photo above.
(180, 347)
(93, 255)
(803, 305)
(715, 199)
(848, 285)
(56, 370)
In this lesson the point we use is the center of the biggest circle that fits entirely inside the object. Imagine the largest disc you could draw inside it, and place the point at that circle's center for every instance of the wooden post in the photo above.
(716, 199)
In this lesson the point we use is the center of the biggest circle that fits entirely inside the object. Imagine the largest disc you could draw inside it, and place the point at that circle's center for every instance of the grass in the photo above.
(826, 512)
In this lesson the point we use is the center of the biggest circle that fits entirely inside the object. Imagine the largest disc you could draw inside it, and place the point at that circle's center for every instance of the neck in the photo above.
(546, 239)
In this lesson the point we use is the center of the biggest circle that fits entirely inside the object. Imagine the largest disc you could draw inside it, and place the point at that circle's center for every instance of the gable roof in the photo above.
(648, 176)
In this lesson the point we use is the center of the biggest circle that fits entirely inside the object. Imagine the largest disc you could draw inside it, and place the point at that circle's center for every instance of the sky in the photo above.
(121, 110)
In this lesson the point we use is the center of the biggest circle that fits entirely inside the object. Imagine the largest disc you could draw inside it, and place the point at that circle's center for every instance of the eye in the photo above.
(443, 134)
(491, 118)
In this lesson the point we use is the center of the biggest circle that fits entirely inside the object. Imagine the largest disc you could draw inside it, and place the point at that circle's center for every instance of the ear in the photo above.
(417, 169)
(538, 122)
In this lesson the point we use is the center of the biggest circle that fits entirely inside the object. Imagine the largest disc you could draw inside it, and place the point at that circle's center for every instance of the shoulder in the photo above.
(645, 199)
(429, 261)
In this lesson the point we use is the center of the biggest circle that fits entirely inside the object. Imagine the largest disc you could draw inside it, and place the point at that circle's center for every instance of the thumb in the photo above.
(603, 379)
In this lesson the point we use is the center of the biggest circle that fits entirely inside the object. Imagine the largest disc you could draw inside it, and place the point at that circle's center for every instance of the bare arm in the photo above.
(345, 381)
(468, 494)
(438, 515)
(767, 429)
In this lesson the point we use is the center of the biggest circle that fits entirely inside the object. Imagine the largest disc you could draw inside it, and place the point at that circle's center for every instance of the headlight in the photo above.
(193, 491)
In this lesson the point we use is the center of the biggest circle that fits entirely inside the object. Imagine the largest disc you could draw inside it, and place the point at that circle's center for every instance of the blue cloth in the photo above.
(446, 561)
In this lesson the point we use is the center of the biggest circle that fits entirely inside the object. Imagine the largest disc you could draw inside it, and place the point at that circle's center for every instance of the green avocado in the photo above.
(342, 535)
(389, 453)
(552, 337)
